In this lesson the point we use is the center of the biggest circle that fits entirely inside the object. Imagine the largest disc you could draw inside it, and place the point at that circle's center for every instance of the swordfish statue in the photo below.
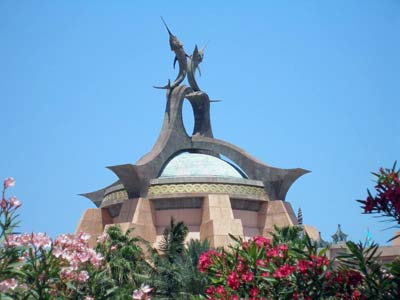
(194, 60)
(180, 57)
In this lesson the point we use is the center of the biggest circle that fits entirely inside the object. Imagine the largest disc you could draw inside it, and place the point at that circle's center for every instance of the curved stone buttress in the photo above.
(135, 209)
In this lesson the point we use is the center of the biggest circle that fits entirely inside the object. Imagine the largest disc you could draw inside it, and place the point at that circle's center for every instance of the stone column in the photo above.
(218, 221)
(277, 212)
(396, 241)
(143, 221)
(93, 221)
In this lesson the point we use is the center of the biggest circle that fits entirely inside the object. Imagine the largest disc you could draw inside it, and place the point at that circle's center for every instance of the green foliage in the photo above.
(175, 274)
(173, 243)
(195, 283)
(380, 282)
(125, 266)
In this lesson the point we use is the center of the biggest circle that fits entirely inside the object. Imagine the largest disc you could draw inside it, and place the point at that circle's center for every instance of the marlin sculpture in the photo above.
(180, 57)
(194, 61)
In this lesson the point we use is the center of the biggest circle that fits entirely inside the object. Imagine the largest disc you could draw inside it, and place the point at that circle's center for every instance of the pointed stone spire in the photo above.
(339, 237)
(300, 217)
(320, 242)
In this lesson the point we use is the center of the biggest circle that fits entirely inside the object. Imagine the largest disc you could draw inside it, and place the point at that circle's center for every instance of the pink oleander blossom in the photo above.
(205, 259)
(9, 182)
(14, 202)
(41, 240)
(83, 276)
(284, 271)
(3, 204)
(75, 250)
(67, 273)
(8, 284)
(261, 241)
(101, 239)
(233, 280)
(37, 240)
(142, 293)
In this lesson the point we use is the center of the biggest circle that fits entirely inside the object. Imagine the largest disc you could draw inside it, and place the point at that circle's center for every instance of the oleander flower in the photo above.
(8, 284)
(9, 182)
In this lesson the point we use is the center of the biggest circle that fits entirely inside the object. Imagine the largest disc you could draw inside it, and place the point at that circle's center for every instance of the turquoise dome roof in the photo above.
(199, 165)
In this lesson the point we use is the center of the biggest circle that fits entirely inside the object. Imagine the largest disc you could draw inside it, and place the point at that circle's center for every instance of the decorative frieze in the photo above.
(209, 188)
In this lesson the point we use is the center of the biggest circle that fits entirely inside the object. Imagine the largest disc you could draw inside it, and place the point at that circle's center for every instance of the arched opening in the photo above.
(187, 117)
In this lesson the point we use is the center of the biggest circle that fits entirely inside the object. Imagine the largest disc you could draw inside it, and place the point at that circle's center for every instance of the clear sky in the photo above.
(306, 84)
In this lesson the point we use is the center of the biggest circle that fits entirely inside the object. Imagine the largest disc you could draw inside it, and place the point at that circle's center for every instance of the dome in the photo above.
(199, 165)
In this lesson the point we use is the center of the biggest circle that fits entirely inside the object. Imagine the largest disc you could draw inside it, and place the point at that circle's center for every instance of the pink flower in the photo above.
(220, 290)
(356, 295)
(274, 252)
(283, 247)
(3, 204)
(142, 292)
(83, 276)
(284, 271)
(14, 202)
(40, 240)
(205, 260)
(265, 274)
(8, 284)
(9, 182)
(210, 290)
(83, 237)
(245, 245)
(260, 263)
(83, 257)
(101, 239)
(302, 265)
(260, 241)
(137, 294)
(233, 280)
(248, 276)
(67, 273)
(96, 259)
(13, 240)
(253, 292)
(89, 298)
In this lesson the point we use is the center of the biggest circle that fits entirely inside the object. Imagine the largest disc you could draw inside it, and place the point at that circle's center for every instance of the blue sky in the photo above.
(305, 84)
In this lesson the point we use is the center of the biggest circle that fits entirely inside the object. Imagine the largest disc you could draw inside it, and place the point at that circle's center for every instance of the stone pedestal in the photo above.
(218, 221)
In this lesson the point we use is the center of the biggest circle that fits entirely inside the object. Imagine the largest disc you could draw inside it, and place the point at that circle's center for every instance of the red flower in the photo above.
(274, 252)
(220, 290)
(233, 280)
(253, 292)
(284, 271)
(245, 245)
(210, 290)
(248, 276)
(354, 277)
(205, 260)
(261, 241)
(302, 265)
(356, 295)
(283, 247)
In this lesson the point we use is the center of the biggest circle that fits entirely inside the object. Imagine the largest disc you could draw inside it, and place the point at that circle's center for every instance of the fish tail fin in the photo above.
(165, 87)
